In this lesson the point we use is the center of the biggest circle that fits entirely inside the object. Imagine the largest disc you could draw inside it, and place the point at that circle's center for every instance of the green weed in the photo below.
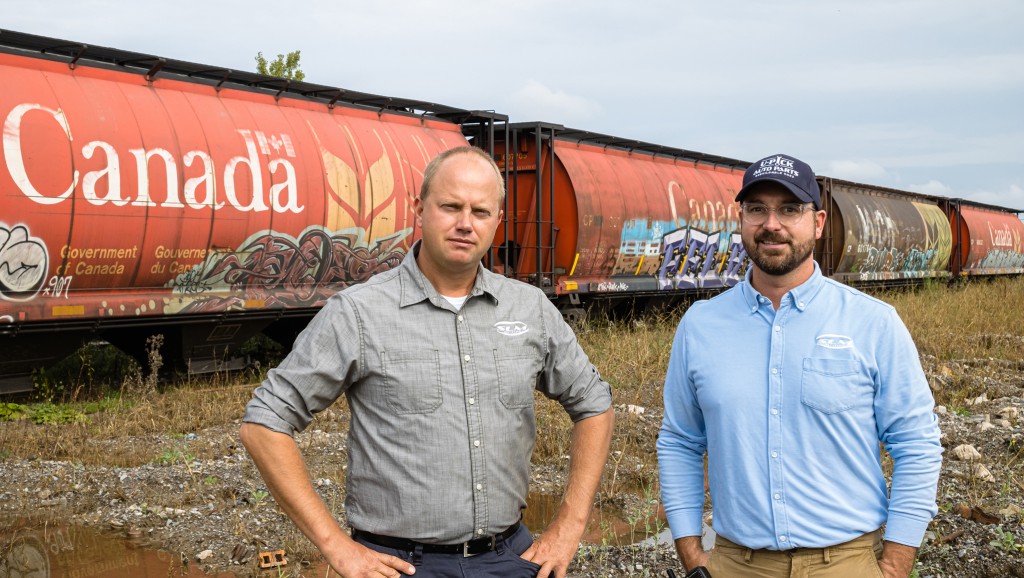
(1006, 541)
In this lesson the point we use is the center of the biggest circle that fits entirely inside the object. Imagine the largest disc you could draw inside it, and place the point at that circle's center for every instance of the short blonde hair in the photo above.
(435, 165)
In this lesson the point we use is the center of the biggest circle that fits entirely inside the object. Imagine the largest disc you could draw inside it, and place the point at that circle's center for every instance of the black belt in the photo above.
(470, 548)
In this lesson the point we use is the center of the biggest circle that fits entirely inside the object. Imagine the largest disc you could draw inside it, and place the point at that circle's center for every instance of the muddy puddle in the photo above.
(76, 552)
(33, 550)
(607, 526)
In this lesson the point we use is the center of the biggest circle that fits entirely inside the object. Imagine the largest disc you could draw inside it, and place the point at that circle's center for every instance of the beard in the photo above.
(778, 263)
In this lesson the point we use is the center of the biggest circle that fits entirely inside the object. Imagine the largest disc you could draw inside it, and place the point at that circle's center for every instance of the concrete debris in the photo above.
(965, 453)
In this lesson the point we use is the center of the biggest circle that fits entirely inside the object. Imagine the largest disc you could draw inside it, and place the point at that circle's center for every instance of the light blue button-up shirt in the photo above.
(790, 406)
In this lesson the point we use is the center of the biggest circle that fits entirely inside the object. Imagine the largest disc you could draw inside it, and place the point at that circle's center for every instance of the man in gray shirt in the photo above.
(439, 359)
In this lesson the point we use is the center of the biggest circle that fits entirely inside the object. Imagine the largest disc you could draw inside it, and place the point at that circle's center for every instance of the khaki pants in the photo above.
(856, 558)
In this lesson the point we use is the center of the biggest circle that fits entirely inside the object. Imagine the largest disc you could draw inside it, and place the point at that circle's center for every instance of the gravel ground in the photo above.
(215, 513)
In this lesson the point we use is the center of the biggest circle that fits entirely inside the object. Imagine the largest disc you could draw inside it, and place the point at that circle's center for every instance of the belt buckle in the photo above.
(465, 547)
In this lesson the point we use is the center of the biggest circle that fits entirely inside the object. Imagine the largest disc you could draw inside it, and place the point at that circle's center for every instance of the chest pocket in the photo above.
(832, 385)
(412, 380)
(517, 376)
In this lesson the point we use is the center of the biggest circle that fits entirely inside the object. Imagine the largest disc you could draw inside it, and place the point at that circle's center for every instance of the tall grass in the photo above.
(977, 320)
(632, 357)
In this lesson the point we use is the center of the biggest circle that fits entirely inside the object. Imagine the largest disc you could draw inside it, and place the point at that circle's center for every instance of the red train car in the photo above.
(140, 194)
(989, 240)
(591, 216)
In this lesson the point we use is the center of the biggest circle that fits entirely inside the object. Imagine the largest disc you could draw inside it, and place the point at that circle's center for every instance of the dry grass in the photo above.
(977, 320)
(964, 323)
(966, 333)
(632, 357)
(147, 420)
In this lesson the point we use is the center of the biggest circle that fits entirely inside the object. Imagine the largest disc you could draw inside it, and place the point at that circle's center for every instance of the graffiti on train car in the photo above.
(1006, 248)
(694, 259)
(23, 263)
(894, 240)
(280, 270)
(640, 246)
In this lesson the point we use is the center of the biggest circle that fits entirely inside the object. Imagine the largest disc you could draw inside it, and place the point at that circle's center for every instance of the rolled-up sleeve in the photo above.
(324, 361)
(568, 376)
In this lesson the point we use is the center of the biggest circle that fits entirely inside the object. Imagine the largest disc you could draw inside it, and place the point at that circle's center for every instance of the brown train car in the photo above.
(988, 240)
(880, 236)
(142, 195)
(591, 216)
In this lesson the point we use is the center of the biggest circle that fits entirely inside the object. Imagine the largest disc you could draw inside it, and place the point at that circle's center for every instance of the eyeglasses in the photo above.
(787, 214)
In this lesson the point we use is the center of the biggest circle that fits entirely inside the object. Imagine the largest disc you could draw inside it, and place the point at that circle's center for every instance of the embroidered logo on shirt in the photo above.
(831, 341)
(511, 328)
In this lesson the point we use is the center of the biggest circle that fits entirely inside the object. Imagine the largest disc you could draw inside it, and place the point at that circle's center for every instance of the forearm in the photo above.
(691, 552)
(588, 453)
(280, 463)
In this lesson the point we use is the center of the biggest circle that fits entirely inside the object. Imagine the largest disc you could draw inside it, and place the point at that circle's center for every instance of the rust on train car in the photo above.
(991, 241)
(880, 235)
(626, 219)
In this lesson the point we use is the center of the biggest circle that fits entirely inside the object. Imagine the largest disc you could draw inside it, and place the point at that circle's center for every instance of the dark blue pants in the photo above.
(503, 562)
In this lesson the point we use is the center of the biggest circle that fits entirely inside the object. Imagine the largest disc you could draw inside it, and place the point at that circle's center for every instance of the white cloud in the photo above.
(1012, 198)
(535, 101)
(933, 187)
(862, 171)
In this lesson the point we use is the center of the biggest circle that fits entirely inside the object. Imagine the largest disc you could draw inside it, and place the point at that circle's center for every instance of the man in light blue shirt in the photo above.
(789, 382)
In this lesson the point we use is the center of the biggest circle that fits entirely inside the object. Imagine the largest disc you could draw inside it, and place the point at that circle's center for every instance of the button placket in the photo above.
(474, 418)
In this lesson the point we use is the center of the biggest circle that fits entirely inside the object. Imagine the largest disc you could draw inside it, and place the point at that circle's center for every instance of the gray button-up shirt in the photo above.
(441, 400)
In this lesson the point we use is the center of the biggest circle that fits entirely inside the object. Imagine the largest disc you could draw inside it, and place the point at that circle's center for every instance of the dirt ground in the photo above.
(214, 513)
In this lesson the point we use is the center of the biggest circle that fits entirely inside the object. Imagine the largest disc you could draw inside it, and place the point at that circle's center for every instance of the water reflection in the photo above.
(607, 525)
(75, 552)
(37, 550)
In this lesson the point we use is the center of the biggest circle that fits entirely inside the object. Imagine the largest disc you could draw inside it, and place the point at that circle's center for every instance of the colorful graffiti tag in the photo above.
(281, 271)
(889, 239)
(695, 259)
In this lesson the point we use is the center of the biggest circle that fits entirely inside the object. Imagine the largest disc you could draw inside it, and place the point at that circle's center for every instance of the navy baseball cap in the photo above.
(790, 172)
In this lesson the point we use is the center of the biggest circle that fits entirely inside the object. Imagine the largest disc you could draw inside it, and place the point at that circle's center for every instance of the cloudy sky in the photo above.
(922, 95)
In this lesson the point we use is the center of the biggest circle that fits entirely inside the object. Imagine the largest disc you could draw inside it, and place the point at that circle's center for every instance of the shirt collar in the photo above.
(416, 287)
(799, 297)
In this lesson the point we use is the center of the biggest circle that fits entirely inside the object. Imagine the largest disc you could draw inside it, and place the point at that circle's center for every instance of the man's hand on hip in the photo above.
(553, 551)
(897, 560)
(354, 560)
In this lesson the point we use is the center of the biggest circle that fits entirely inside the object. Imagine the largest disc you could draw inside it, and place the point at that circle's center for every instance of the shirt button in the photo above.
(466, 357)
(778, 496)
(775, 454)
(476, 443)
(775, 411)
(472, 400)
(479, 486)
(460, 318)
(777, 329)
(479, 530)
(801, 304)
(782, 538)
(775, 370)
